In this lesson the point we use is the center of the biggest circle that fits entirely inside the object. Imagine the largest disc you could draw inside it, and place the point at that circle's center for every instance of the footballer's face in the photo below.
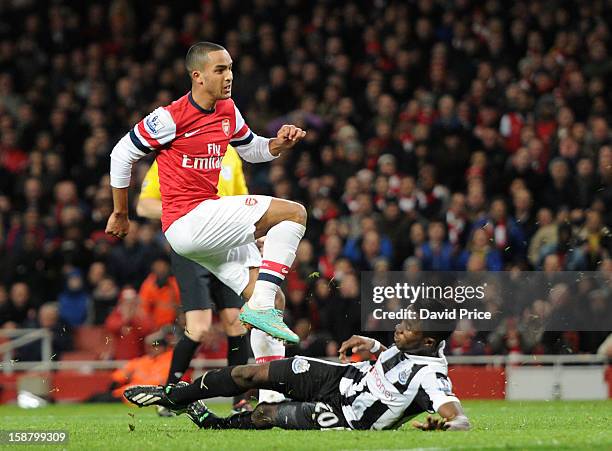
(408, 337)
(217, 75)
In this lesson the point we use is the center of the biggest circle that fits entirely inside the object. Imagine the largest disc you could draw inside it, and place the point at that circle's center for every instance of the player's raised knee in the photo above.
(297, 213)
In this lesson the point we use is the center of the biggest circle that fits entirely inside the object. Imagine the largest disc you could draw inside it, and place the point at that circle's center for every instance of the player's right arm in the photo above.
(357, 343)
(452, 418)
(154, 131)
(439, 389)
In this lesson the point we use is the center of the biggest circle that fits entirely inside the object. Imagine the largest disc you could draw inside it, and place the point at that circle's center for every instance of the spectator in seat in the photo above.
(5, 306)
(312, 343)
(595, 239)
(506, 235)
(480, 245)
(159, 294)
(544, 235)
(436, 254)
(61, 335)
(560, 190)
(150, 368)
(105, 295)
(20, 307)
(128, 325)
(74, 300)
(345, 305)
(333, 250)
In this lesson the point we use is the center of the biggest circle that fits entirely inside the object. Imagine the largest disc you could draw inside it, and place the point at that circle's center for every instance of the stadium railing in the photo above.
(512, 376)
(21, 337)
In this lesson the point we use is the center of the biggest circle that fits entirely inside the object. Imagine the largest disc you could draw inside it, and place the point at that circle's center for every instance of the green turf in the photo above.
(496, 424)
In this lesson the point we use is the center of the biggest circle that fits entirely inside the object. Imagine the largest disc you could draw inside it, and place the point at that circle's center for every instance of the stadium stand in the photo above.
(475, 128)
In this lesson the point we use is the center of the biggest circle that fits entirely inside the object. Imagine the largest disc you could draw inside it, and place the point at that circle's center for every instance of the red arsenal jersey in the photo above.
(190, 142)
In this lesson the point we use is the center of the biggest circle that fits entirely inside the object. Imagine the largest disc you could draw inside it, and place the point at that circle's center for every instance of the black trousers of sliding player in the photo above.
(286, 415)
(221, 383)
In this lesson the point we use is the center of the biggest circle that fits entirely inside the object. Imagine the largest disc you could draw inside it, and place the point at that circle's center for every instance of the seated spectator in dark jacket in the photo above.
(312, 343)
(74, 300)
(436, 254)
(18, 308)
(506, 235)
(5, 306)
(480, 245)
(61, 334)
(364, 251)
(560, 190)
(105, 295)
(341, 315)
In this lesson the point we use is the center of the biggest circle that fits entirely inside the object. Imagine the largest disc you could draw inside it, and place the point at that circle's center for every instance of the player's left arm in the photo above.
(454, 416)
(358, 343)
(257, 149)
(287, 137)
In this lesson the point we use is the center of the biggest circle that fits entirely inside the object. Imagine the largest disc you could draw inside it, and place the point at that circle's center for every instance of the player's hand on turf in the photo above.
(356, 344)
(289, 135)
(431, 424)
(118, 225)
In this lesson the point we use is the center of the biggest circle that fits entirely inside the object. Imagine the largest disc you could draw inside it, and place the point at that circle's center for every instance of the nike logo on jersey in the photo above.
(188, 134)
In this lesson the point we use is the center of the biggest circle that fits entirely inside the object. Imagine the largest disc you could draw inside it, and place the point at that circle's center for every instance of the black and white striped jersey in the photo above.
(386, 393)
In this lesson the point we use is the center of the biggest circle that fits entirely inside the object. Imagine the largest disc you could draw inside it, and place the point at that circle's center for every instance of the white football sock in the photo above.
(266, 349)
(278, 255)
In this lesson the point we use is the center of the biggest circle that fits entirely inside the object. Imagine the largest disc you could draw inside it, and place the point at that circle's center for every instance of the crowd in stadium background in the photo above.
(442, 135)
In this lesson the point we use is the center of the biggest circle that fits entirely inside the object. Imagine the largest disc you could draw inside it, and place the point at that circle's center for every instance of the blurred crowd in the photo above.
(442, 135)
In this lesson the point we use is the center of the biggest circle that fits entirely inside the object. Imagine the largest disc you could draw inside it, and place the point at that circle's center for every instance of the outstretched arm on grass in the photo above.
(452, 418)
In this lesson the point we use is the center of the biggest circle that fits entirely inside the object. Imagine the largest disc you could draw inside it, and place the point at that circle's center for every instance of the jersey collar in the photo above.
(198, 107)
(440, 359)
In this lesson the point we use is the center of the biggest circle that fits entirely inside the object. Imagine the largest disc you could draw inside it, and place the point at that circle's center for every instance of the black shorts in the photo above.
(199, 288)
(316, 384)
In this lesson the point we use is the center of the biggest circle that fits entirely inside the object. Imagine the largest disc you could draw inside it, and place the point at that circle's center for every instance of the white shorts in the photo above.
(219, 234)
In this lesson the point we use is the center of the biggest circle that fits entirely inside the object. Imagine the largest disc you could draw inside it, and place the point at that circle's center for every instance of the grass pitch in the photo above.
(496, 424)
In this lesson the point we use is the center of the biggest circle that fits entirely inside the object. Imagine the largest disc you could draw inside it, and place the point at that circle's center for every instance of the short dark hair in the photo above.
(198, 54)
(438, 329)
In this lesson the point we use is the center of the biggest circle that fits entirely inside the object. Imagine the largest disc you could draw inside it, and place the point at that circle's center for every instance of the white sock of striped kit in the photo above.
(266, 349)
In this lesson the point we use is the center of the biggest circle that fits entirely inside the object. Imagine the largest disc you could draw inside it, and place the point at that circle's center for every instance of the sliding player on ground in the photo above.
(408, 378)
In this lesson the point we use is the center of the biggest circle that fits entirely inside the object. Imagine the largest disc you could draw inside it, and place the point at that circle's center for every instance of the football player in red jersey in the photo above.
(190, 137)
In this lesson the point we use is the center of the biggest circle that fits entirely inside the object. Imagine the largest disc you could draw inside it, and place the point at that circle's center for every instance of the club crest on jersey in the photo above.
(402, 377)
(250, 201)
(300, 365)
(445, 385)
(225, 125)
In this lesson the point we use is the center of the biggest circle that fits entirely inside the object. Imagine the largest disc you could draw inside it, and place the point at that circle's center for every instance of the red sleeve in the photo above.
(242, 133)
(154, 131)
